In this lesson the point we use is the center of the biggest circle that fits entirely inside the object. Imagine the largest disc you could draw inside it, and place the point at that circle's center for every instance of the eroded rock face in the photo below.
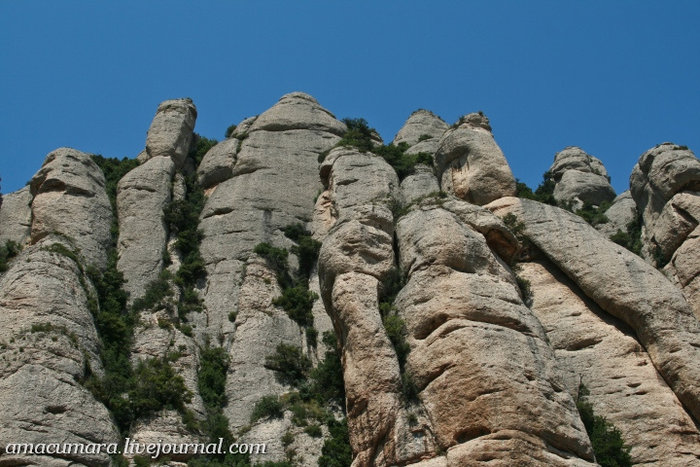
(274, 183)
(217, 164)
(48, 343)
(422, 125)
(623, 285)
(468, 329)
(142, 194)
(16, 216)
(70, 199)
(665, 184)
(580, 178)
(170, 133)
(620, 214)
(624, 386)
(470, 164)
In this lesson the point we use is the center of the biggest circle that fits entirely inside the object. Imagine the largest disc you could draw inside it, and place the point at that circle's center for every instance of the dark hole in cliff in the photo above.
(55, 409)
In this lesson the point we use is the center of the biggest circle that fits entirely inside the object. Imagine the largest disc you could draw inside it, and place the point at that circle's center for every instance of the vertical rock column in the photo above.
(142, 197)
(356, 256)
(47, 335)
(580, 178)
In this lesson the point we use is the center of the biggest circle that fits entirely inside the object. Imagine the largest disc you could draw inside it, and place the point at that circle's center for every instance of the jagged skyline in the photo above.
(613, 79)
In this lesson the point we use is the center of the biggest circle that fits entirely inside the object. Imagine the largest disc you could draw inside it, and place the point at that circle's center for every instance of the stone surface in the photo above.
(47, 342)
(580, 178)
(142, 194)
(217, 164)
(298, 111)
(684, 268)
(421, 125)
(624, 386)
(418, 185)
(70, 199)
(479, 358)
(470, 164)
(16, 216)
(660, 173)
(623, 285)
(620, 214)
(170, 133)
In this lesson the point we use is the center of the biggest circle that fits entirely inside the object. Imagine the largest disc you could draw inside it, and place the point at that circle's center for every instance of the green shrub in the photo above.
(403, 163)
(424, 137)
(276, 259)
(157, 291)
(608, 445)
(199, 147)
(314, 431)
(157, 386)
(306, 248)
(113, 170)
(632, 238)
(290, 364)
(327, 383)
(523, 191)
(8, 251)
(336, 451)
(545, 191)
(297, 301)
(525, 289)
(311, 336)
(358, 134)
(396, 331)
(230, 130)
(594, 215)
(211, 377)
(267, 407)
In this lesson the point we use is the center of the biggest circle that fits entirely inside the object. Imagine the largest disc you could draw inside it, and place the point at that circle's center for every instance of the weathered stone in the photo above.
(217, 164)
(16, 216)
(677, 220)
(475, 344)
(298, 111)
(624, 385)
(620, 214)
(142, 194)
(418, 185)
(48, 341)
(623, 285)
(660, 173)
(470, 164)
(580, 178)
(684, 268)
(70, 199)
(170, 133)
(420, 126)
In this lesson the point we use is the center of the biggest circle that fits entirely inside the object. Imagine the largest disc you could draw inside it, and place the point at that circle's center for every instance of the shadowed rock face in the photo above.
(495, 349)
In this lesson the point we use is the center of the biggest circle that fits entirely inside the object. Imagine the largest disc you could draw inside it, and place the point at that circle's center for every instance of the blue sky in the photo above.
(615, 78)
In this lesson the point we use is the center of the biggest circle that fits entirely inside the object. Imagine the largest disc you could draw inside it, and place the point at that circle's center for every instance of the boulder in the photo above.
(217, 164)
(470, 164)
(580, 178)
(621, 213)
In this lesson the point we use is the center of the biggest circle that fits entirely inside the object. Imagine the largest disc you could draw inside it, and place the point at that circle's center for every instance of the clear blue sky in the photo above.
(614, 77)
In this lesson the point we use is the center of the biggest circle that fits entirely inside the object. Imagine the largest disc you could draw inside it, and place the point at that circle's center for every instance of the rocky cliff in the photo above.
(301, 284)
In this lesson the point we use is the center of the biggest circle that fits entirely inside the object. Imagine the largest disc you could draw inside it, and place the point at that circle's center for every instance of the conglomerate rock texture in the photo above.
(467, 321)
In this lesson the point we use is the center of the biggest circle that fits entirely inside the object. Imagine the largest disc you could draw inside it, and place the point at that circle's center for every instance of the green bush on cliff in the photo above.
(608, 445)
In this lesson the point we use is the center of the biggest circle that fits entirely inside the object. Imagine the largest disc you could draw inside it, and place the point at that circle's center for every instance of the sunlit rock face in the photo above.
(467, 321)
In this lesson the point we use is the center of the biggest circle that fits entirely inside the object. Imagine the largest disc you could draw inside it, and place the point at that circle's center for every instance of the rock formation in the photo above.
(443, 322)
(580, 178)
